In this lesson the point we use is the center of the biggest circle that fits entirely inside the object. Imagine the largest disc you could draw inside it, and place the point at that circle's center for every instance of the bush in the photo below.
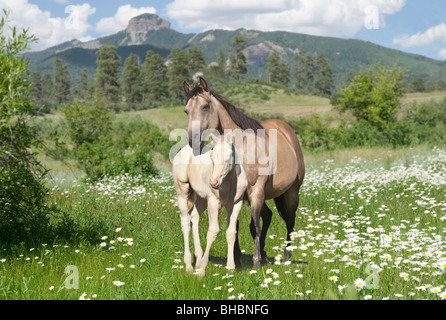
(24, 213)
(104, 147)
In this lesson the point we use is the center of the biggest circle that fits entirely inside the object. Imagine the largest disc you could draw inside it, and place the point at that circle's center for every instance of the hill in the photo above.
(149, 32)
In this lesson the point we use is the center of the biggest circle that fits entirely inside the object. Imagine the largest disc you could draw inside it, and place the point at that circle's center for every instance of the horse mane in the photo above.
(240, 119)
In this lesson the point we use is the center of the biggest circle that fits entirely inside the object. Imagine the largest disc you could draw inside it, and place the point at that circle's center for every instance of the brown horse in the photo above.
(271, 157)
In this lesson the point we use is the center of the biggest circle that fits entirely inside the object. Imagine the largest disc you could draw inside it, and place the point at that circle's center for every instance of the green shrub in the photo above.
(24, 212)
(104, 147)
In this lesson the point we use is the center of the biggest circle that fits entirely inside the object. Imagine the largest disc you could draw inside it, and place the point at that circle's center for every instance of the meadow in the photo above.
(370, 225)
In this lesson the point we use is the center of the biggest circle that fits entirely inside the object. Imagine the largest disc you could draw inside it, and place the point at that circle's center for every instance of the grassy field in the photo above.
(290, 106)
(370, 225)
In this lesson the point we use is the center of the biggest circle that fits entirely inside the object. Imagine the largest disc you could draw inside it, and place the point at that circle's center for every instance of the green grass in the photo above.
(348, 202)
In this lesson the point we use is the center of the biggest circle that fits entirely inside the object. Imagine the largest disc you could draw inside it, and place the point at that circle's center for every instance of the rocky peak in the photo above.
(147, 22)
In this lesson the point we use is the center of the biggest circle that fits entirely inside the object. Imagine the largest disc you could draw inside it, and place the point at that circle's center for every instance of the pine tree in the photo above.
(238, 67)
(196, 60)
(35, 90)
(303, 76)
(132, 79)
(80, 91)
(155, 77)
(107, 74)
(61, 85)
(177, 73)
(47, 86)
(278, 71)
(221, 62)
(323, 77)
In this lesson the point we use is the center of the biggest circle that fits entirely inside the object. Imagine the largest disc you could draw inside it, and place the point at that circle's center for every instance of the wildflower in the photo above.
(368, 297)
(83, 295)
(252, 271)
(443, 295)
(276, 283)
(299, 275)
(51, 288)
(103, 244)
(118, 229)
(118, 283)
(435, 290)
(241, 296)
(333, 278)
(359, 283)
(404, 275)
(230, 290)
(217, 288)
(142, 260)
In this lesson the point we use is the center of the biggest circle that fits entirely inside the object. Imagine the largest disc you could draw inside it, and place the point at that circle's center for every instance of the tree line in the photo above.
(155, 82)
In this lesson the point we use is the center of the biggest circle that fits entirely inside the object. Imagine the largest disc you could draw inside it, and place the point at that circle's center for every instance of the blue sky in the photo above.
(414, 26)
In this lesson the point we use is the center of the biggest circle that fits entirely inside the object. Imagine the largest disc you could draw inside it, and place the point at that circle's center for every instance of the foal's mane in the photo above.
(240, 119)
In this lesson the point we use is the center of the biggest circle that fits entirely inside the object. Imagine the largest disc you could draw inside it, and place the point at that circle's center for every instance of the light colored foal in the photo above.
(213, 179)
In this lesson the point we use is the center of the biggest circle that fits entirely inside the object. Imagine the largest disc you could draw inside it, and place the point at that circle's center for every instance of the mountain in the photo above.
(150, 32)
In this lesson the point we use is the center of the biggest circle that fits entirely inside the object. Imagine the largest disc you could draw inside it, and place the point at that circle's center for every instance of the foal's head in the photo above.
(223, 159)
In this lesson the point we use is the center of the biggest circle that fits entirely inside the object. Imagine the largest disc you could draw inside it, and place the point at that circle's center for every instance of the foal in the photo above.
(212, 179)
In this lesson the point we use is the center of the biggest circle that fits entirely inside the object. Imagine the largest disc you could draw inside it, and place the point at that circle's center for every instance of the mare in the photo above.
(271, 157)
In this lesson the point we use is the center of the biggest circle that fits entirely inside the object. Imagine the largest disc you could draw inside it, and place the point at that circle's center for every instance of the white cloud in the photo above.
(426, 38)
(120, 20)
(317, 17)
(442, 54)
(49, 30)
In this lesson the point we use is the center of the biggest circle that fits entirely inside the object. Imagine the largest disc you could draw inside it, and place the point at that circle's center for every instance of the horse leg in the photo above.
(213, 208)
(200, 206)
(237, 251)
(256, 201)
(185, 228)
(233, 211)
(287, 205)
(266, 215)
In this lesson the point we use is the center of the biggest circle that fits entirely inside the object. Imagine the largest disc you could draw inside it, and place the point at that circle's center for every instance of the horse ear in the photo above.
(186, 87)
(214, 137)
(203, 84)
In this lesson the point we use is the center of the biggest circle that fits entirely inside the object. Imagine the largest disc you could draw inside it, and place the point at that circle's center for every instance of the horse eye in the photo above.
(206, 107)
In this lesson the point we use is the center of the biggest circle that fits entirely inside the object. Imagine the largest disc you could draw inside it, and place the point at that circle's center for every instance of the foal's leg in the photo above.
(213, 208)
(233, 211)
(185, 227)
(200, 206)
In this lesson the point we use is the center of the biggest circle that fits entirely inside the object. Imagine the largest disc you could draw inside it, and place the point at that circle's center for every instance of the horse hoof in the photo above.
(200, 272)
(189, 269)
